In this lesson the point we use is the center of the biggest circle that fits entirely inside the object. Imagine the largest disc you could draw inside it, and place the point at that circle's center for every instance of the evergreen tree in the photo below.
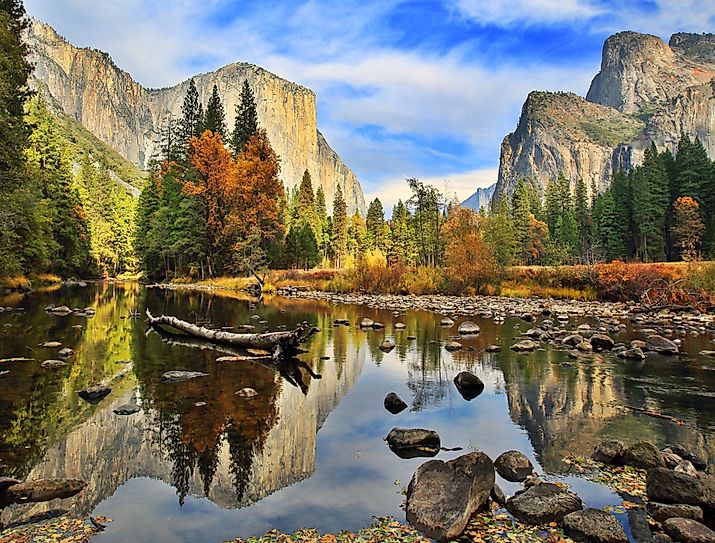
(403, 249)
(246, 122)
(607, 232)
(375, 224)
(321, 212)
(339, 239)
(499, 231)
(427, 203)
(583, 220)
(191, 116)
(521, 217)
(650, 205)
(215, 118)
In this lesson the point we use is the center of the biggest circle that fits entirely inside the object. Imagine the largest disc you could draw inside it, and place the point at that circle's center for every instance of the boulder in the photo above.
(684, 466)
(643, 455)
(387, 345)
(366, 323)
(594, 526)
(663, 511)
(446, 322)
(247, 393)
(602, 342)
(44, 490)
(53, 363)
(497, 495)
(65, 353)
(525, 345)
(543, 503)
(413, 442)
(573, 340)
(468, 328)
(7, 482)
(95, 393)
(608, 452)
(670, 458)
(584, 347)
(513, 466)
(686, 454)
(667, 486)
(176, 376)
(453, 346)
(687, 530)
(469, 385)
(632, 354)
(443, 496)
(127, 409)
(394, 404)
(661, 345)
(493, 349)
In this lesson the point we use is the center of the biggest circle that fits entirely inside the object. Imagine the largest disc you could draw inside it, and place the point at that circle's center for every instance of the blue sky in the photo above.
(421, 88)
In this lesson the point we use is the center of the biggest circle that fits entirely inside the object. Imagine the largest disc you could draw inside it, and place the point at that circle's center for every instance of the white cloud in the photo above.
(507, 13)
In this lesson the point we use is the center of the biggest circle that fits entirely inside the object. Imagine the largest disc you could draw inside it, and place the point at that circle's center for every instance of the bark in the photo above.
(280, 344)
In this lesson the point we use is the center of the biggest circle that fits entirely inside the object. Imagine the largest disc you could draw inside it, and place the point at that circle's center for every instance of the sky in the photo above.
(417, 88)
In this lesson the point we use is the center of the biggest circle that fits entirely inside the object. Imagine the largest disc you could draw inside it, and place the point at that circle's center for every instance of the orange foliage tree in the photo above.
(689, 227)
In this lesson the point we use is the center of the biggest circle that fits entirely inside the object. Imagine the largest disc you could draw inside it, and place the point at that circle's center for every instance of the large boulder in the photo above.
(661, 345)
(443, 496)
(686, 530)
(663, 511)
(573, 340)
(643, 455)
(543, 503)
(176, 376)
(667, 486)
(44, 490)
(469, 385)
(413, 442)
(394, 404)
(468, 328)
(608, 452)
(594, 526)
(602, 342)
(513, 466)
(95, 393)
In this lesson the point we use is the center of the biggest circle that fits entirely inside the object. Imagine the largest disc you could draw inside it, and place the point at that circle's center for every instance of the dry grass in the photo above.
(15, 283)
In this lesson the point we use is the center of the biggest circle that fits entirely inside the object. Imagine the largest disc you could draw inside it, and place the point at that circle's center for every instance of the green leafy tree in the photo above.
(499, 231)
(246, 122)
(427, 205)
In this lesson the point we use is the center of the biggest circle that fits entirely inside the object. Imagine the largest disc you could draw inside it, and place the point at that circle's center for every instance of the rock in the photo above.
(667, 486)
(7, 482)
(443, 496)
(51, 344)
(584, 347)
(632, 354)
(452, 346)
(608, 452)
(399, 326)
(643, 455)
(661, 537)
(43, 490)
(60, 310)
(710, 354)
(469, 385)
(247, 393)
(341, 322)
(660, 345)
(468, 328)
(639, 523)
(377, 326)
(53, 363)
(493, 349)
(543, 503)
(413, 442)
(525, 345)
(687, 530)
(573, 340)
(684, 466)
(65, 353)
(638, 344)
(176, 376)
(528, 317)
(664, 511)
(602, 342)
(394, 404)
(95, 393)
(670, 458)
(446, 322)
(594, 526)
(387, 345)
(127, 409)
(685, 454)
(532, 480)
(513, 466)
(497, 495)
(366, 323)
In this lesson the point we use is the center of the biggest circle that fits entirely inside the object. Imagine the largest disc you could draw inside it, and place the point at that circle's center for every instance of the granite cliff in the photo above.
(87, 85)
(481, 198)
(646, 91)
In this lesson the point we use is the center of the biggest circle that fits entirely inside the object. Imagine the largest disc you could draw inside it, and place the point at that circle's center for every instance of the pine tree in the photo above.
(375, 223)
(191, 116)
(499, 231)
(607, 231)
(339, 238)
(403, 248)
(321, 212)
(246, 121)
(650, 205)
(521, 217)
(215, 118)
(583, 220)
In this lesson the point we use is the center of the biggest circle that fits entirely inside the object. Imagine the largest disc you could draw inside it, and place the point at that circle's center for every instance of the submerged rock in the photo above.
(413, 442)
(65, 353)
(95, 393)
(525, 345)
(387, 345)
(594, 526)
(176, 376)
(543, 503)
(453, 346)
(443, 496)
(43, 490)
(468, 328)
(127, 409)
(394, 404)
(469, 385)
(513, 466)
(661, 345)
(493, 349)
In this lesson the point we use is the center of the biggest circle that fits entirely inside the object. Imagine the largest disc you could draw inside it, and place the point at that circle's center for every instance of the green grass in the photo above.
(612, 132)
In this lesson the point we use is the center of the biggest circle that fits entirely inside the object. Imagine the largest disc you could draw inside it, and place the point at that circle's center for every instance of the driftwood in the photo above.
(654, 414)
(279, 344)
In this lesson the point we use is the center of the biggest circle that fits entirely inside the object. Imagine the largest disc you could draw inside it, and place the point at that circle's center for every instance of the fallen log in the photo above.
(279, 344)
(654, 414)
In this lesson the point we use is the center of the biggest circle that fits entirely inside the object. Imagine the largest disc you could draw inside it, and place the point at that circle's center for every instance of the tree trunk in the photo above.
(280, 344)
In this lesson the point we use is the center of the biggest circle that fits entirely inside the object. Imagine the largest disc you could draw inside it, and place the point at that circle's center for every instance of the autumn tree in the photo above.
(689, 227)
(246, 121)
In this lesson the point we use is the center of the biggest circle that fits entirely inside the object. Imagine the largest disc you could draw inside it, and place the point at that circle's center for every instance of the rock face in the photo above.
(87, 85)
(442, 496)
(481, 198)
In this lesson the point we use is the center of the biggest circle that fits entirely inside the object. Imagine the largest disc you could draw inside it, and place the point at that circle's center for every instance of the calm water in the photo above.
(305, 451)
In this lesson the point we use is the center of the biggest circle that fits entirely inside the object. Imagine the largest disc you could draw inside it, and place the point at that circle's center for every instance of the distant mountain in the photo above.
(480, 199)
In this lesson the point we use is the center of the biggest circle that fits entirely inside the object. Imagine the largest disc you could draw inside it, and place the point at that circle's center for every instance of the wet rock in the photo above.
(543, 503)
(493, 349)
(497, 495)
(632, 354)
(443, 496)
(247, 393)
(469, 385)
(387, 345)
(176, 376)
(686, 530)
(43, 490)
(413, 442)
(660, 345)
(65, 353)
(513, 466)
(527, 317)
(377, 326)
(594, 526)
(341, 322)
(127, 409)
(399, 326)
(584, 347)
(446, 322)
(59, 310)
(663, 511)
(51, 344)
(643, 455)
(667, 486)
(710, 354)
(468, 328)
(7, 482)
(602, 342)
(532, 480)
(366, 323)
(670, 458)
(695, 459)
(411, 338)
(394, 404)
(95, 393)
(639, 524)
(573, 340)
(525, 345)
(662, 537)
(53, 364)
(684, 466)
(452, 346)
(638, 344)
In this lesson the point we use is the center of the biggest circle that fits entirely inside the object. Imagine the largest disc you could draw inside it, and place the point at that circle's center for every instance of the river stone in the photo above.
(684, 466)
(661, 345)
(65, 353)
(51, 344)
(387, 345)
(662, 537)
(468, 328)
(608, 452)
(602, 342)
(687, 530)
(377, 326)
(394, 404)
(632, 354)
(525, 345)
(413, 442)
(95, 393)
(59, 310)
(469, 385)
(43, 490)
(493, 349)
(399, 326)
(670, 458)
(247, 392)
(594, 526)
(527, 317)
(53, 364)
(366, 323)
(639, 523)
(584, 347)
(667, 486)
(7, 482)
(443, 496)
(176, 376)
(452, 346)
(446, 322)
(697, 461)
(543, 503)
(127, 409)
(663, 511)
(513, 466)
(573, 340)
(643, 455)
